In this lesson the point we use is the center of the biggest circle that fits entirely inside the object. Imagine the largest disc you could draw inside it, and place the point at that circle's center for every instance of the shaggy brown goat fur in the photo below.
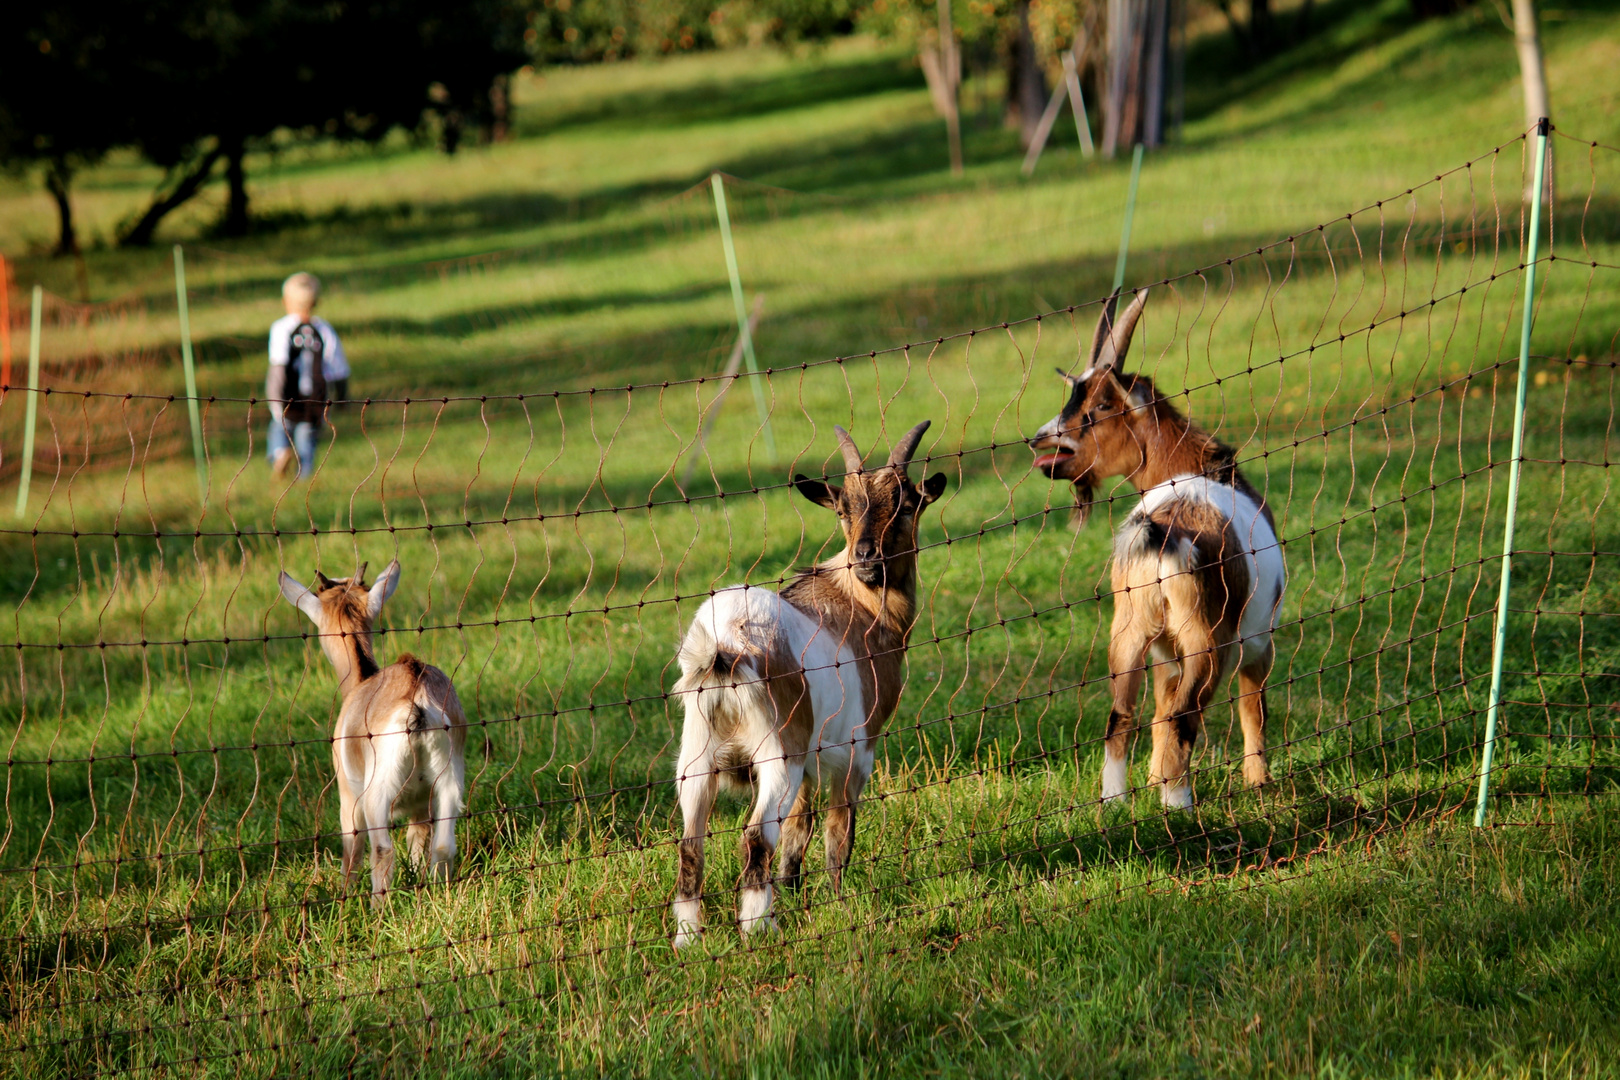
(766, 687)
(1198, 573)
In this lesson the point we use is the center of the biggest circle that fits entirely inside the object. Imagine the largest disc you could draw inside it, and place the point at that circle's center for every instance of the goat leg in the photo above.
(778, 781)
(796, 833)
(1127, 655)
(840, 842)
(1174, 735)
(695, 784)
(350, 826)
(1253, 714)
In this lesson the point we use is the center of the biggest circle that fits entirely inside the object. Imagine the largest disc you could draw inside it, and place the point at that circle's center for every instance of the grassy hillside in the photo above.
(168, 866)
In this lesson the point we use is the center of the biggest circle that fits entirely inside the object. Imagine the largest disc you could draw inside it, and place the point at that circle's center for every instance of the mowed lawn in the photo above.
(530, 322)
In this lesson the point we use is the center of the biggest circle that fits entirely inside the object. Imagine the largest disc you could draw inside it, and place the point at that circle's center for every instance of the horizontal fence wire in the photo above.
(171, 804)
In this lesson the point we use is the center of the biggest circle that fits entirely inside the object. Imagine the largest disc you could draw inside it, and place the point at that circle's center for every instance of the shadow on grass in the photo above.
(735, 98)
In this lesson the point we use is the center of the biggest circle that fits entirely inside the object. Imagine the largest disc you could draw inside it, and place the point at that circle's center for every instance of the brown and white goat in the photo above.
(398, 748)
(1198, 574)
(785, 687)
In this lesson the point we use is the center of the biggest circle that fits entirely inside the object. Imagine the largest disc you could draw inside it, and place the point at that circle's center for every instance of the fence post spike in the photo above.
(1499, 648)
(719, 185)
(191, 375)
(1130, 212)
(32, 406)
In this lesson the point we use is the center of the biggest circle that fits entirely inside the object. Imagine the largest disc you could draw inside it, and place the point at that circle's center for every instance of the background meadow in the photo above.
(537, 328)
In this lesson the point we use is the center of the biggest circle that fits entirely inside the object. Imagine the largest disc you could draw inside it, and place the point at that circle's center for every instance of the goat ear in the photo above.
(1113, 338)
(300, 597)
(933, 487)
(1138, 394)
(818, 491)
(1071, 381)
(382, 589)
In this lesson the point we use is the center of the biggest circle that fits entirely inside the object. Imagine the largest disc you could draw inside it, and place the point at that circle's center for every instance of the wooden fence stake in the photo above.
(1044, 129)
(1077, 98)
(191, 375)
(1068, 90)
(33, 403)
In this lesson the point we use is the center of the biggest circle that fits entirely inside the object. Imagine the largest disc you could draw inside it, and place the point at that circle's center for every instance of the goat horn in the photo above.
(852, 453)
(360, 574)
(1113, 338)
(900, 456)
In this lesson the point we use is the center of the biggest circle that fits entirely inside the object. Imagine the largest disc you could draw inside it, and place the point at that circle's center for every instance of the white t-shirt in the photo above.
(334, 365)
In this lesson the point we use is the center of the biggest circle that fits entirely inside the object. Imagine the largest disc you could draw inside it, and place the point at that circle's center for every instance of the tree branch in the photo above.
(140, 234)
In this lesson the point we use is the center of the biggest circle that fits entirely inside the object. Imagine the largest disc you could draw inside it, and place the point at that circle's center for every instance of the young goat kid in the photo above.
(400, 733)
(1198, 574)
(784, 687)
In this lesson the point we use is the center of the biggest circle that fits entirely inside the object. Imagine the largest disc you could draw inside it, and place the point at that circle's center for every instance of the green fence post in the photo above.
(744, 336)
(191, 375)
(33, 404)
(1130, 212)
(1500, 648)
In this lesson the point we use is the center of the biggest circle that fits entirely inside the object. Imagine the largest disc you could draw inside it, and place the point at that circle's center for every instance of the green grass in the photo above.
(995, 922)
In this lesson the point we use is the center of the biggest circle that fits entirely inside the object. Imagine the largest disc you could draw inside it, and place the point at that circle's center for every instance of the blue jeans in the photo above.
(303, 439)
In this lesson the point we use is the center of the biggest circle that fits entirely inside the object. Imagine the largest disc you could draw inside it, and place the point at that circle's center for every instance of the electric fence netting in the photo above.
(173, 896)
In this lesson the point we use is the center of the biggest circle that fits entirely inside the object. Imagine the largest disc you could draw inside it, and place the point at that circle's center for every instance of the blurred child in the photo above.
(307, 370)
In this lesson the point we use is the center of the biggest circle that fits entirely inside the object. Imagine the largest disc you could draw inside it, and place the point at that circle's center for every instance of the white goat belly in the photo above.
(752, 620)
(1267, 573)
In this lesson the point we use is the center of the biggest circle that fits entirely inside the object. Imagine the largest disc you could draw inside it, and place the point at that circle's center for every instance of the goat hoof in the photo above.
(1178, 798)
(765, 924)
(688, 936)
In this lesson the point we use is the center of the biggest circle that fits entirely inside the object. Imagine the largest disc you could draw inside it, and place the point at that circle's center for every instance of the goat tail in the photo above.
(721, 689)
(434, 746)
(1155, 563)
(706, 663)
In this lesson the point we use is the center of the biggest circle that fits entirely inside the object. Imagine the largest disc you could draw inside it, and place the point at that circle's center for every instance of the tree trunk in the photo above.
(950, 62)
(1535, 76)
(1262, 32)
(1528, 40)
(1133, 108)
(1256, 39)
(58, 176)
(450, 134)
(236, 203)
(500, 108)
(1026, 83)
(1153, 70)
(141, 233)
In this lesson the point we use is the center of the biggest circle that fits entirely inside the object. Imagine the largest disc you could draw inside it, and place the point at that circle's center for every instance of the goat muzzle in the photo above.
(1051, 457)
(870, 571)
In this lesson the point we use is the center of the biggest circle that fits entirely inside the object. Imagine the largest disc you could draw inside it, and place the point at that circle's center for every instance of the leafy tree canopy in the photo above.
(191, 83)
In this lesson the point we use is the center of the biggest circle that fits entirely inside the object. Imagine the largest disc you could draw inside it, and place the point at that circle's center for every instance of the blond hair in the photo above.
(302, 287)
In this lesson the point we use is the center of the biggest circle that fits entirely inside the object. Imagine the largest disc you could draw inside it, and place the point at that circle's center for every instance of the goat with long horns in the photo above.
(781, 688)
(1198, 572)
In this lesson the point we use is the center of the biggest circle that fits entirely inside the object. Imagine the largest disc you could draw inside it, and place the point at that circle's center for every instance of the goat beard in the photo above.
(1084, 493)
